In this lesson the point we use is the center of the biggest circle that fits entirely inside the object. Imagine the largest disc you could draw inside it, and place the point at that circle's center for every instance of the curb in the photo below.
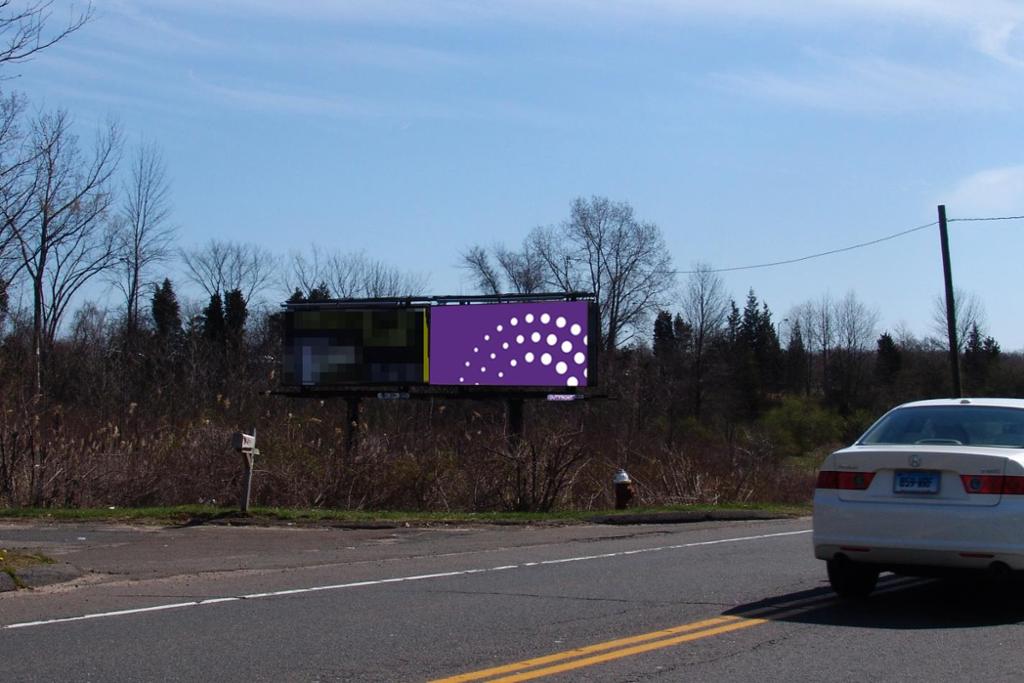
(687, 517)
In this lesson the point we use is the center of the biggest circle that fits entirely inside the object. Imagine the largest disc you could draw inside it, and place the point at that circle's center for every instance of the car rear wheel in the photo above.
(850, 579)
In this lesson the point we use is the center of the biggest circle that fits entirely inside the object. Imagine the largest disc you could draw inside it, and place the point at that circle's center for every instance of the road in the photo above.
(716, 601)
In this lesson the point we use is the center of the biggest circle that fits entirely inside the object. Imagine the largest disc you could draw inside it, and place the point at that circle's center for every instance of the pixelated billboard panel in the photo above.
(331, 347)
(530, 344)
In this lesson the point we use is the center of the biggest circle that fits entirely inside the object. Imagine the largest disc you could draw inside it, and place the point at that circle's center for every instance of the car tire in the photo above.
(850, 579)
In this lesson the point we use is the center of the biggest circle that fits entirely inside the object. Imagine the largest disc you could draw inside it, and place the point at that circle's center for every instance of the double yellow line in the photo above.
(611, 650)
(578, 658)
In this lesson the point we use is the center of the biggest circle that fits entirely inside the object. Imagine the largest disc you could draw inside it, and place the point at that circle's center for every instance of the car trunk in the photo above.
(913, 475)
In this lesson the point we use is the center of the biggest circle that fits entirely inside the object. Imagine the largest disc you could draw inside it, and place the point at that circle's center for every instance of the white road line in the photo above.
(399, 579)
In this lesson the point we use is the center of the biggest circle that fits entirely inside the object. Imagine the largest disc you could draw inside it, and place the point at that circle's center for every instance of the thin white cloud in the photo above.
(871, 85)
(128, 24)
(264, 99)
(883, 83)
(388, 55)
(1004, 42)
(994, 191)
(975, 17)
(157, 27)
(275, 99)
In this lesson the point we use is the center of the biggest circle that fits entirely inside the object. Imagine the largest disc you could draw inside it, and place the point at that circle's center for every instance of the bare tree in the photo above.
(817, 320)
(303, 274)
(855, 334)
(57, 214)
(823, 325)
(855, 325)
(344, 274)
(349, 275)
(23, 34)
(222, 266)
(23, 28)
(602, 248)
(906, 340)
(15, 166)
(842, 334)
(355, 275)
(561, 271)
(478, 262)
(523, 271)
(705, 307)
(968, 309)
(383, 280)
(145, 234)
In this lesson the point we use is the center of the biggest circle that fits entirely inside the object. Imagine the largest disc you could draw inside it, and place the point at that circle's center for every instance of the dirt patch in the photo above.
(21, 569)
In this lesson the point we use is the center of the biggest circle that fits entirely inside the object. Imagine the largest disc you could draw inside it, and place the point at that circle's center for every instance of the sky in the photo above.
(749, 131)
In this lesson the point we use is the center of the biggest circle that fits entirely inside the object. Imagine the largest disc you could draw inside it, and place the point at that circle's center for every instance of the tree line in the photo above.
(130, 402)
(709, 399)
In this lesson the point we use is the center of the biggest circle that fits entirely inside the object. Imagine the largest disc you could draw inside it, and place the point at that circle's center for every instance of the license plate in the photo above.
(916, 481)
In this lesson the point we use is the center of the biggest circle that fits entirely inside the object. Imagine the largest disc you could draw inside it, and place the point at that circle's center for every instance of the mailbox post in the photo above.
(246, 445)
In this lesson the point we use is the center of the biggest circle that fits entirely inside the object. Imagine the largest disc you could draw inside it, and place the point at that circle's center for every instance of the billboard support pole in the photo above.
(514, 407)
(352, 405)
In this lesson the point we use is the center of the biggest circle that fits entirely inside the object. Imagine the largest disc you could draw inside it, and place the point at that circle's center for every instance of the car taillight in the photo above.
(849, 481)
(993, 483)
(1013, 486)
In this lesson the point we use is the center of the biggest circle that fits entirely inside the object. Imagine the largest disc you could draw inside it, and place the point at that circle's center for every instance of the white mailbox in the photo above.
(243, 443)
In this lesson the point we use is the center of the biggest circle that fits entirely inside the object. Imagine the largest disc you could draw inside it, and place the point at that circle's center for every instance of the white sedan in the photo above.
(932, 487)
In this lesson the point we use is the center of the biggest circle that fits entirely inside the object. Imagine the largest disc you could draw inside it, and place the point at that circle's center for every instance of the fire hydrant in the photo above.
(623, 490)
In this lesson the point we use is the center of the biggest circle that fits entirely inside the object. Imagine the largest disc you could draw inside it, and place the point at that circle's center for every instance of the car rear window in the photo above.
(950, 425)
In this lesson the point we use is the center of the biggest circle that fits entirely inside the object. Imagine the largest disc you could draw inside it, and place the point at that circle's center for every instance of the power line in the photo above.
(851, 247)
(992, 218)
(824, 253)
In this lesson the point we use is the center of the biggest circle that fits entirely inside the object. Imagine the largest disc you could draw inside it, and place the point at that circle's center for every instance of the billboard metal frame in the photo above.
(443, 391)
(386, 302)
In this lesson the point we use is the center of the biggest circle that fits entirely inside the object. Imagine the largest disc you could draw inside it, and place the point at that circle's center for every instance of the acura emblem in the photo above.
(915, 460)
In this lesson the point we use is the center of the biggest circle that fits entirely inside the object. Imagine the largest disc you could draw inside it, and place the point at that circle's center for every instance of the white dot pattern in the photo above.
(551, 350)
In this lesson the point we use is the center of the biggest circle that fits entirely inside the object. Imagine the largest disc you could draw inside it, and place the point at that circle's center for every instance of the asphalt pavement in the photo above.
(709, 601)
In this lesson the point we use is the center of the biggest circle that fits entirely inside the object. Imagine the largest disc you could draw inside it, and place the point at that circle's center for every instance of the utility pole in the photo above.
(954, 354)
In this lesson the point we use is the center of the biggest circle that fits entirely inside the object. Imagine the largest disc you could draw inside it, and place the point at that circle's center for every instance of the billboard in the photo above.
(330, 346)
(543, 344)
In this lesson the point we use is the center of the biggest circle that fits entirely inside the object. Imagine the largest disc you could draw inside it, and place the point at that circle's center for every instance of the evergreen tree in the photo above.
(756, 356)
(684, 334)
(213, 319)
(166, 311)
(732, 323)
(673, 339)
(664, 337)
(981, 354)
(888, 360)
(796, 369)
(319, 293)
(767, 350)
(235, 315)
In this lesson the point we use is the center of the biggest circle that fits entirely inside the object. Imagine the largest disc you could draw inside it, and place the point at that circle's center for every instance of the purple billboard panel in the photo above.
(542, 344)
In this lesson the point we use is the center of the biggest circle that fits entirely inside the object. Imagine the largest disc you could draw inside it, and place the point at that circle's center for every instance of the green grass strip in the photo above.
(206, 513)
